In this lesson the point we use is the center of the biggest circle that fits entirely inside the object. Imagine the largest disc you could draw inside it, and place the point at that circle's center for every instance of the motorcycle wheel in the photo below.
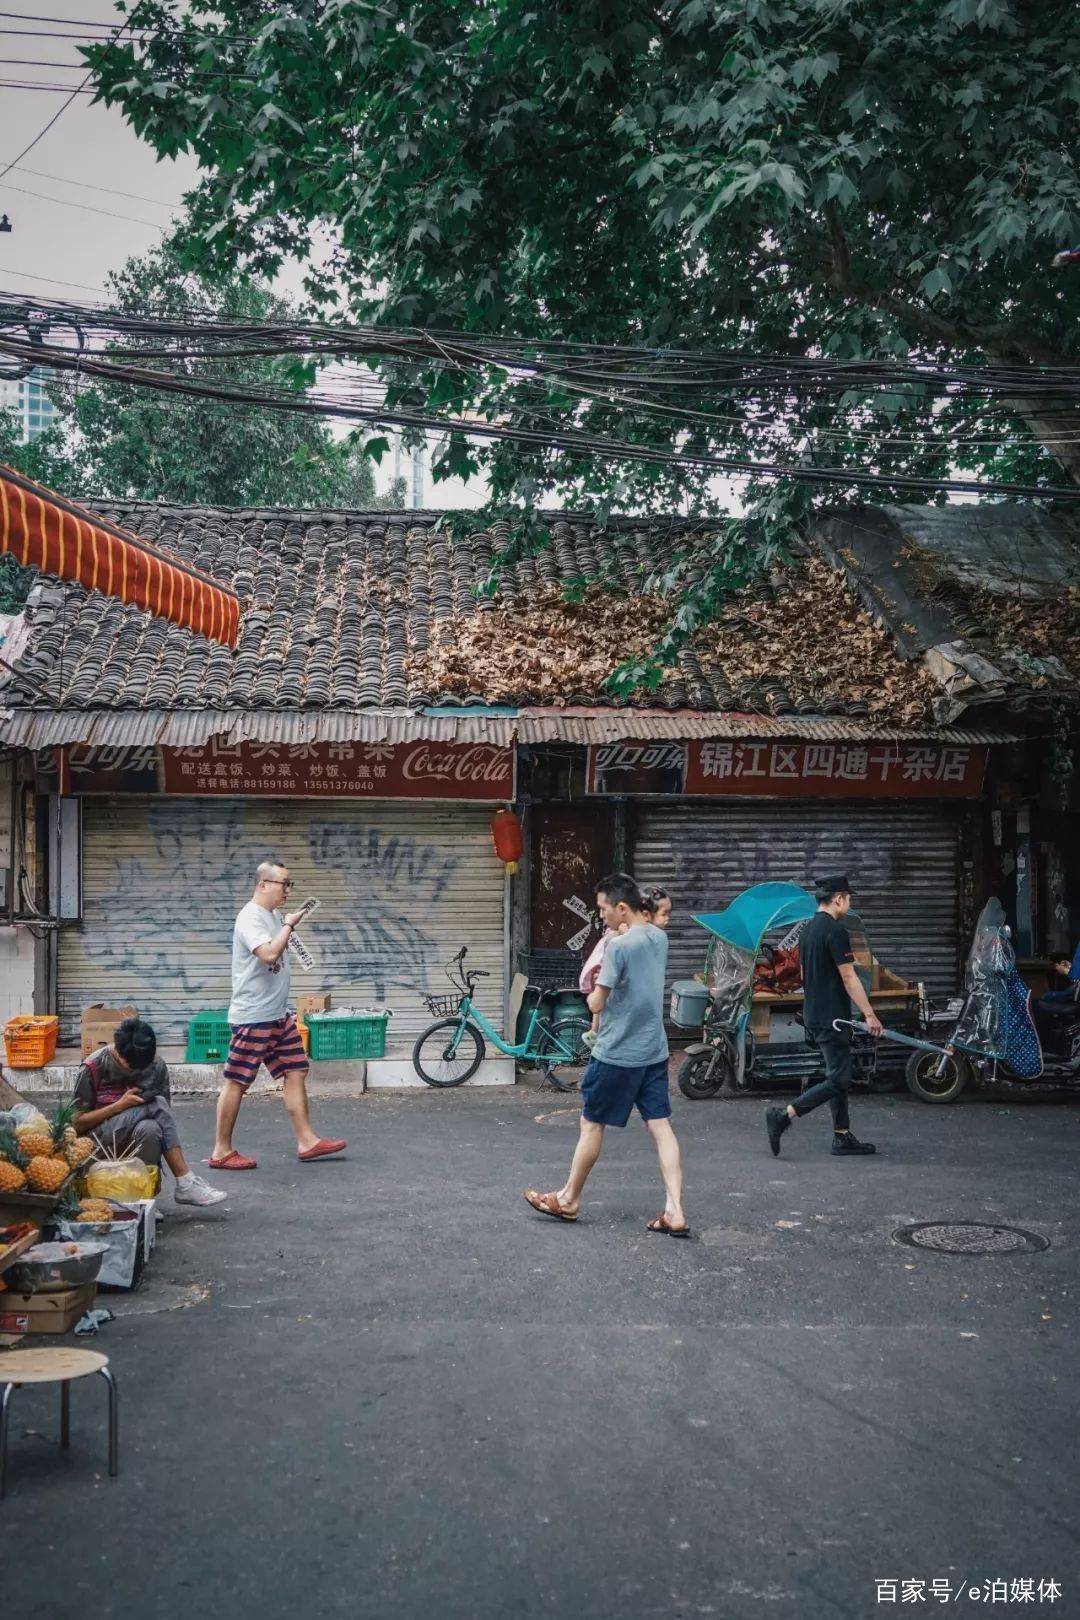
(703, 1073)
(930, 1087)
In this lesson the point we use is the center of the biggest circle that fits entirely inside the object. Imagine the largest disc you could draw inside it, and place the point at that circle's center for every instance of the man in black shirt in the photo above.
(830, 985)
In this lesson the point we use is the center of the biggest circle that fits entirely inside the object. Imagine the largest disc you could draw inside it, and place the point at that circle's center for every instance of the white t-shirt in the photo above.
(260, 994)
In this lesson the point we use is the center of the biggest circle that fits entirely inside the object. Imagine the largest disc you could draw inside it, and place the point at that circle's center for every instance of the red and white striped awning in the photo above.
(42, 528)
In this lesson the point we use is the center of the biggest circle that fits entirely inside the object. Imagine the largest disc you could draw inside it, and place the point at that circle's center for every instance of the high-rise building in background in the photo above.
(26, 396)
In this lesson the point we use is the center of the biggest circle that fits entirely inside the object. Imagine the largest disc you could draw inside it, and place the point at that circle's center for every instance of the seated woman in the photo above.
(122, 1095)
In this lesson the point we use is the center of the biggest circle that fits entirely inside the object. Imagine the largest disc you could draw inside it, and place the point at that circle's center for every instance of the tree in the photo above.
(115, 442)
(863, 179)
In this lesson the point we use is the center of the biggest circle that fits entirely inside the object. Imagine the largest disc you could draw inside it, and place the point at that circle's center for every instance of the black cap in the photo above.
(837, 884)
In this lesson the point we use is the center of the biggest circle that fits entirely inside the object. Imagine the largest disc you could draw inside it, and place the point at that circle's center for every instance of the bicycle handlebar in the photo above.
(465, 977)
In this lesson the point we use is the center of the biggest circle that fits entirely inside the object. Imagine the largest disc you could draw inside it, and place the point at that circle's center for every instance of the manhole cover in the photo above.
(970, 1237)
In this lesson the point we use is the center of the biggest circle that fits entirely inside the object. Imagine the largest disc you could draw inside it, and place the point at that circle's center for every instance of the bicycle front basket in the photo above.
(442, 1006)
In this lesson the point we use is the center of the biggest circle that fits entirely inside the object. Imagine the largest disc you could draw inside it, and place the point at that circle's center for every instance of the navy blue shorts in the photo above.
(610, 1092)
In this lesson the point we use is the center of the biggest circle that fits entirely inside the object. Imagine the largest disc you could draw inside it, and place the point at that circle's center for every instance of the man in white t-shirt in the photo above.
(263, 1029)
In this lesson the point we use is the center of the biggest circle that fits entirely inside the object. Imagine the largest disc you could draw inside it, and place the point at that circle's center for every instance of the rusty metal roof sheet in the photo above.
(33, 728)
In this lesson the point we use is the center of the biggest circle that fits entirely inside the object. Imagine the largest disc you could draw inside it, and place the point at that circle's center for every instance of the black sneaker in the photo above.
(777, 1121)
(844, 1142)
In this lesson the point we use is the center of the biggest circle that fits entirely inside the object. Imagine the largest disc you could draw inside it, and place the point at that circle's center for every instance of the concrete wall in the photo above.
(16, 972)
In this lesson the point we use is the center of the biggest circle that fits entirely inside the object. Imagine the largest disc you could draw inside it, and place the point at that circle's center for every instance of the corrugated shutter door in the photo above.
(402, 887)
(902, 861)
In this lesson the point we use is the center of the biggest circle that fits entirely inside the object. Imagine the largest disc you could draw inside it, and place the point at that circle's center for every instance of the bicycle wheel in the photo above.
(431, 1054)
(565, 1037)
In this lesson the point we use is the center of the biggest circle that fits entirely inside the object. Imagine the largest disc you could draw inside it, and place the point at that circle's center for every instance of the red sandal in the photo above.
(233, 1161)
(323, 1148)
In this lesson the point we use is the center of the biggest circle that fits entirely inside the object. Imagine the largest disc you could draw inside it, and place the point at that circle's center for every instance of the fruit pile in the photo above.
(40, 1156)
(95, 1209)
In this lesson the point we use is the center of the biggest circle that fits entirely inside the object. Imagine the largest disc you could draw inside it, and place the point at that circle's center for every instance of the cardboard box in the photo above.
(312, 1004)
(99, 1025)
(45, 1313)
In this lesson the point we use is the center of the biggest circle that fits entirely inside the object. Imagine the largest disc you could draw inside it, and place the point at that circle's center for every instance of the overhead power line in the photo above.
(131, 28)
(85, 208)
(88, 185)
(51, 89)
(79, 89)
(554, 437)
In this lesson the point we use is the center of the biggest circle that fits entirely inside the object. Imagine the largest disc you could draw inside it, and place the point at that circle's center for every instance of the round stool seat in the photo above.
(49, 1366)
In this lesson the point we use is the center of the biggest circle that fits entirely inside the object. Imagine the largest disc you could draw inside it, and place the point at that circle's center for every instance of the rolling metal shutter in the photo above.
(402, 887)
(901, 859)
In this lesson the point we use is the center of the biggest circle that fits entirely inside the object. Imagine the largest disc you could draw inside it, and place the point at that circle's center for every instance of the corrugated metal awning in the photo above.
(611, 725)
(114, 728)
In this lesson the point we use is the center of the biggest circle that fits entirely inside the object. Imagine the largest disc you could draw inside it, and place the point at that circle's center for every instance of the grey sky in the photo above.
(89, 146)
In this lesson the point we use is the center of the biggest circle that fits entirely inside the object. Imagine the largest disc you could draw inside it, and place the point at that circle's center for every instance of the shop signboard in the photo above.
(81, 770)
(478, 772)
(755, 768)
(636, 767)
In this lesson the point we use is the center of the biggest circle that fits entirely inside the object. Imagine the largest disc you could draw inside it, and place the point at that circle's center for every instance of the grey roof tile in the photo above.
(335, 602)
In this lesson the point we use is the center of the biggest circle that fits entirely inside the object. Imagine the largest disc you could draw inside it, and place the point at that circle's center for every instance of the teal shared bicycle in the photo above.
(452, 1049)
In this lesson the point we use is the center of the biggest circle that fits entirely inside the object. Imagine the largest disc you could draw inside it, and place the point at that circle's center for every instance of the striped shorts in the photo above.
(278, 1045)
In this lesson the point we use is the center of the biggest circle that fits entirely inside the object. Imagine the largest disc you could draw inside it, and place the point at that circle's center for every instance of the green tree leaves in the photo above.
(113, 441)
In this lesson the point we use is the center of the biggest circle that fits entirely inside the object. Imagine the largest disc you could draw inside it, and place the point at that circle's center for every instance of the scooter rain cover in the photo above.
(996, 1017)
(731, 980)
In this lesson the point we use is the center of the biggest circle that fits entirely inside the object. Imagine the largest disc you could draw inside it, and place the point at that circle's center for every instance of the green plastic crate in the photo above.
(332, 1037)
(208, 1036)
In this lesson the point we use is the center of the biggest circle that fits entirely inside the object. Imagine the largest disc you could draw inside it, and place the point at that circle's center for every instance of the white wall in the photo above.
(16, 972)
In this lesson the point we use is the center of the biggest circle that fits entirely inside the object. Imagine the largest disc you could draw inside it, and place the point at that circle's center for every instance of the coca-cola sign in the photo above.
(449, 762)
(482, 772)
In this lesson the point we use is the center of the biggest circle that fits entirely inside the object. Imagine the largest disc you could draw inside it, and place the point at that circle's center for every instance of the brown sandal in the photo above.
(548, 1204)
(662, 1224)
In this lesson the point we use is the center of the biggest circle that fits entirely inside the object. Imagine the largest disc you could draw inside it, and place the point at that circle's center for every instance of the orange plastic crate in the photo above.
(30, 1041)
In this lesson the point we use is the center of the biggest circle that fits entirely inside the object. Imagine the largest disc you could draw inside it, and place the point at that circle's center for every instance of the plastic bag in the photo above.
(989, 960)
(25, 1113)
(122, 1179)
(122, 1264)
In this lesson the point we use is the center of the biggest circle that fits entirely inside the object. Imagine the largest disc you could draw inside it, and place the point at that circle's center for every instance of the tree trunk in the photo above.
(1059, 431)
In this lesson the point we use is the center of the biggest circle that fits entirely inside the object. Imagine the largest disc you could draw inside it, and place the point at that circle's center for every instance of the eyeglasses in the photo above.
(282, 883)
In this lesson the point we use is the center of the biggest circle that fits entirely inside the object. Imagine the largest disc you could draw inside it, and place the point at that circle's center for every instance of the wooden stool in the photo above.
(54, 1367)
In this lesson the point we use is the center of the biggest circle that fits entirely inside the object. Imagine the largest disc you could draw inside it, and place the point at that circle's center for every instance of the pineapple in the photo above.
(12, 1173)
(78, 1151)
(45, 1174)
(53, 1138)
(95, 1209)
(35, 1140)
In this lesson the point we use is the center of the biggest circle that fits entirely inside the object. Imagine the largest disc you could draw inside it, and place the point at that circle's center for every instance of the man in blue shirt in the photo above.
(630, 1058)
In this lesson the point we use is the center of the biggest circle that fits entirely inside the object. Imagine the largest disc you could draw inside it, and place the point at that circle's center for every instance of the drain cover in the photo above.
(970, 1237)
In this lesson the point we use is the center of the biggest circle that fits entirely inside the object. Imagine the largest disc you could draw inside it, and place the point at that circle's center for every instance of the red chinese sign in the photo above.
(797, 770)
(417, 770)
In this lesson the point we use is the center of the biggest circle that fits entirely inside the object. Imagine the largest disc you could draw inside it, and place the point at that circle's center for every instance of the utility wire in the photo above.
(567, 441)
(87, 185)
(107, 27)
(581, 365)
(85, 208)
(60, 111)
(49, 89)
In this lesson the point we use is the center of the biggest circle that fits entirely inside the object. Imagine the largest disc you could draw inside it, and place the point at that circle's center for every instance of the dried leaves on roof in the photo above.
(1036, 627)
(811, 634)
(808, 634)
(545, 650)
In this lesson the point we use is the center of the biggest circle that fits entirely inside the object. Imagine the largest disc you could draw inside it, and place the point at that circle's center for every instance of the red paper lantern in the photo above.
(506, 834)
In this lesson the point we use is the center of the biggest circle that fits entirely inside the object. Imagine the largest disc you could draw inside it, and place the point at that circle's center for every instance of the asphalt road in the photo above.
(383, 1387)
